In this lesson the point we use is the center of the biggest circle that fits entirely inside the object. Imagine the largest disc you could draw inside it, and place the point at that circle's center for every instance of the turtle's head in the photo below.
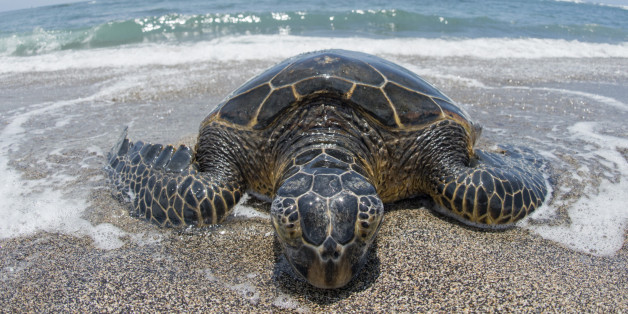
(326, 219)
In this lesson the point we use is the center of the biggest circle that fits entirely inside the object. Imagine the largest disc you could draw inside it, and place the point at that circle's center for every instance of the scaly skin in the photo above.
(165, 186)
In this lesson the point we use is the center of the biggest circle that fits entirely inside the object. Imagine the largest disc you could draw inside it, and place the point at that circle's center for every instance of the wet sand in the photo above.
(421, 262)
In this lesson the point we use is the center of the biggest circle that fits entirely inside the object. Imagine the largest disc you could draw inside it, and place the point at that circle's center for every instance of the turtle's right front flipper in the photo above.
(165, 187)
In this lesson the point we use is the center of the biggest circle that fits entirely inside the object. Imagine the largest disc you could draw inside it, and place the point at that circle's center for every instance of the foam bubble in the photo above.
(285, 301)
(602, 99)
(276, 47)
(247, 211)
(466, 81)
(248, 292)
(147, 238)
(600, 217)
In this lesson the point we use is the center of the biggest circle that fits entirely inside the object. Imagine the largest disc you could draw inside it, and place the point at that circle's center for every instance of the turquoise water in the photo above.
(114, 23)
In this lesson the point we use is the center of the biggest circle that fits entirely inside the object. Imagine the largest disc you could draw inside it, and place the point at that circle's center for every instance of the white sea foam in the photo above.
(600, 217)
(285, 301)
(30, 206)
(602, 99)
(277, 47)
(622, 4)
(248, 291)
(466, 81)
(247, 211)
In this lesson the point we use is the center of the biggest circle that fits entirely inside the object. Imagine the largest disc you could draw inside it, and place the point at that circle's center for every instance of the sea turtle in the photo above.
(329, 136)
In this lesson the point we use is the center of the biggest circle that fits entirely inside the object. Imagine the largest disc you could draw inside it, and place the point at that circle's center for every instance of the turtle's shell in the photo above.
(392, 95)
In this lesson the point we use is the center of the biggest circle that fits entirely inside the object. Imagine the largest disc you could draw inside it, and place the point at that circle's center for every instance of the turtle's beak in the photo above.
(329, 265)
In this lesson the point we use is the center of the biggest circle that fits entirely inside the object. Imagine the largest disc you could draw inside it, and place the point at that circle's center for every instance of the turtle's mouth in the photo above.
(328, 265)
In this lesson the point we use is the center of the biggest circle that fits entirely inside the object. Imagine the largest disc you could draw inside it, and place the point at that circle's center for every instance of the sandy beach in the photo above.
(421, 262)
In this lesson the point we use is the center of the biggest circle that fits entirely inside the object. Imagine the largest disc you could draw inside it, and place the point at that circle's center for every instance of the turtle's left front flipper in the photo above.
(496, 189)
(164, 186)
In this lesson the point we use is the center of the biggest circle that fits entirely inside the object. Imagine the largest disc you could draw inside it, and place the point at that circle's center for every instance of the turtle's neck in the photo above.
(326, 125)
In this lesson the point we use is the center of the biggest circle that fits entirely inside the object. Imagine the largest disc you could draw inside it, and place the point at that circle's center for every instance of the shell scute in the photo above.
(323, 84)
(374, 102)
(264, 77)
(276, 101)
(412, 108)
(451, 110)
(243, 107)
(332, 64)
(405, 77)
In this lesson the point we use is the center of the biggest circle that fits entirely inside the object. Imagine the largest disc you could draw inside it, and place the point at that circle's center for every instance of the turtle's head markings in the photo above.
(326, 219)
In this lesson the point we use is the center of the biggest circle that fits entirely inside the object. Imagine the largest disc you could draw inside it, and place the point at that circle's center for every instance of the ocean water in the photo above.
(549, 75)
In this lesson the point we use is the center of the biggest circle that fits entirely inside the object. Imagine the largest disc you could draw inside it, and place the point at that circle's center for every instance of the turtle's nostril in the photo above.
(331, 249)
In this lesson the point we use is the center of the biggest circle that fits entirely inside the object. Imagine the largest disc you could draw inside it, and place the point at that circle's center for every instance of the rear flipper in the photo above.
(496, 190)
(164, 186)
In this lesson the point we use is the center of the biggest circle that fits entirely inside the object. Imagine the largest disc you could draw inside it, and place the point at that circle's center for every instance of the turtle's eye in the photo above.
(286, 220)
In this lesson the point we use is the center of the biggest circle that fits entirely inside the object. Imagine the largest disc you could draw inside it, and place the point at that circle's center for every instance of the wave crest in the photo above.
(374, 24)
